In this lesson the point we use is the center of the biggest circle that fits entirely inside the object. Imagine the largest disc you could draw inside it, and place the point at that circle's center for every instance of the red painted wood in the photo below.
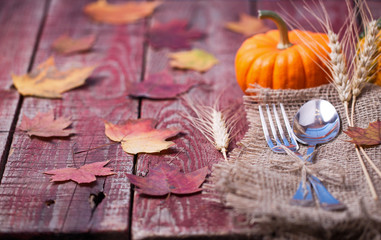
(191, 215)
(29, 202)
(19, 22)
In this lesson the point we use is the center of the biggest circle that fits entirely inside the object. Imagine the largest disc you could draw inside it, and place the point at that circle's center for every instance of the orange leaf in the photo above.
(123, 13)
(247, 25)
(68, 45)
(366, 136)
(140, 136)
(84, 174)
(44, 125)
(48, 82)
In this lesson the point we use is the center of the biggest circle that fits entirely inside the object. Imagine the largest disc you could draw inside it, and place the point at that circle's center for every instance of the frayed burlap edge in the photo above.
(250, 185)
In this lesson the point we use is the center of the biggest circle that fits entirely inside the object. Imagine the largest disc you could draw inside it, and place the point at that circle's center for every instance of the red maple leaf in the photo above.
(84, 174)
(159, 86)
(366, 136)
(173, 35)
(44, 125)
(164, 179)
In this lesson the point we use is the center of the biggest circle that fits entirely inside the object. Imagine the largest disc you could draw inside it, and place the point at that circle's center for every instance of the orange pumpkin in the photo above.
(280, 59)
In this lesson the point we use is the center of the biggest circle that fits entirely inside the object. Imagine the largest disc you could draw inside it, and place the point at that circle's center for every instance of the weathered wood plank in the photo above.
(191, 215)
(19, 25)
(30, 203)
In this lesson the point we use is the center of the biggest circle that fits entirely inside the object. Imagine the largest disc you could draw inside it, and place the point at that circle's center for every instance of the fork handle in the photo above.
(326, 200)
(303, 197)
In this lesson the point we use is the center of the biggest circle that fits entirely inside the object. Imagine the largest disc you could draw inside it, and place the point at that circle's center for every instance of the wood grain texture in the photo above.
(29, 203)
(19, 24)
(191, 215)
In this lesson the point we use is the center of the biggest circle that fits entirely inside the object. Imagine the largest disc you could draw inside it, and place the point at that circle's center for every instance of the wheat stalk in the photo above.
(212, 123)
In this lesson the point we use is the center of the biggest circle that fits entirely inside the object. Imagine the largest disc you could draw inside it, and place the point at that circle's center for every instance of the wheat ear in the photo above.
(212, 123)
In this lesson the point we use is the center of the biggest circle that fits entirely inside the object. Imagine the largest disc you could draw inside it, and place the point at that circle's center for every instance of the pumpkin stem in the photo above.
(284, 41)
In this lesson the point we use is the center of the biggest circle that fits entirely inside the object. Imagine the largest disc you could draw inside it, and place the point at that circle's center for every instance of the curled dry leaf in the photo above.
(164, 179)
(67, 45)
(160, 86)
(173, 35)
(368, 136)
(84, 174)
(195, 59)
(123, 13)
(140, 136)
(247, 25)
(48, 82)
(44, 125)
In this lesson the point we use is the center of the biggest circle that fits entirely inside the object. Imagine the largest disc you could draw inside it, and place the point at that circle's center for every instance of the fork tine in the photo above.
(288, 127)
(280, 129)
(265, 130)
(272, 127)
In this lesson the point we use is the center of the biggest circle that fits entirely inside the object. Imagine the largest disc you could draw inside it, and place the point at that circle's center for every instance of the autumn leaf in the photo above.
(67, 45)
(247, 25)
(84, 174)
(140, 136)
(122, 13)
(159, 86)
(195, 59)
(48, 82)
(164, 179)
(174, 35)
(44, 125)
(366, 136)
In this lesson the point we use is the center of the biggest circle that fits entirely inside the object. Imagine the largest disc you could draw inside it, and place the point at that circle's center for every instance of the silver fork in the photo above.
(303, 196)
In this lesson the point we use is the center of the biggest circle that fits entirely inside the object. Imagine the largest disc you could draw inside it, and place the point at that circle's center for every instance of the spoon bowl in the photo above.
(316, 122)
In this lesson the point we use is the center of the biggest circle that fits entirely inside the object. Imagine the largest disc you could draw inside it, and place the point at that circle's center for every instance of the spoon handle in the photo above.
(326, 200)
(310, 152)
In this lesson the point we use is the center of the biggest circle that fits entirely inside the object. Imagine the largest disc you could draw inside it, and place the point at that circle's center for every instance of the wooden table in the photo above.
(33, 208)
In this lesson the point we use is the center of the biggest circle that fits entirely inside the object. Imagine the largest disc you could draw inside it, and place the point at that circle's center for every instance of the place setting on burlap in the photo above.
(251, 182)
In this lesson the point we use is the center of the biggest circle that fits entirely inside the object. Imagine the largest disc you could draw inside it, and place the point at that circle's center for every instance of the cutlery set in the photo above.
(316, 122)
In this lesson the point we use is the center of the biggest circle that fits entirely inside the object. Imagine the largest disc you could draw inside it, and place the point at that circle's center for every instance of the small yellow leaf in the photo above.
(123, 13)
(195, 59)
(247, 25)
(48, 82)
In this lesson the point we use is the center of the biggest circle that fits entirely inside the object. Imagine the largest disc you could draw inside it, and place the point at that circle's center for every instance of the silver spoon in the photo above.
(318, 122)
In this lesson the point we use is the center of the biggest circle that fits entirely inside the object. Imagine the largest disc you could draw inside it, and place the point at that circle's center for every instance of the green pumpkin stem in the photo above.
(284, 41)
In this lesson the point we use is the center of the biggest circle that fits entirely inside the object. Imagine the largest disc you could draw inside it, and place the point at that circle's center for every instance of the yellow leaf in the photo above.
(247, 25)
(129, 12)
(140, 136)
(195, 59)
(48, 82)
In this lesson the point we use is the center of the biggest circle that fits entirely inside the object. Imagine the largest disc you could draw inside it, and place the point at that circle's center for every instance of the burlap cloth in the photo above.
(251, 185)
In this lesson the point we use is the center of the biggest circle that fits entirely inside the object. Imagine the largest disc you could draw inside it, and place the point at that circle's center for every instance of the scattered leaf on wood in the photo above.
(44, 125)
(84, 174)
(164, 179)
(67, 45)
(247, 25)
(366, 136)
(174, 35)
(159, 86)
(195, 59)
(122, 13)
(140, 136)
(48, 82)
